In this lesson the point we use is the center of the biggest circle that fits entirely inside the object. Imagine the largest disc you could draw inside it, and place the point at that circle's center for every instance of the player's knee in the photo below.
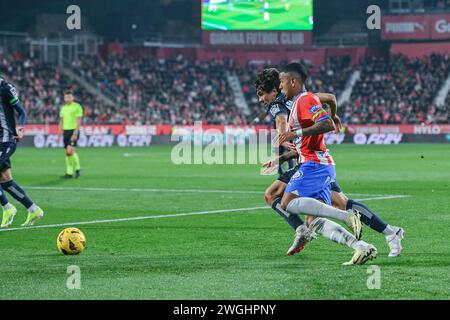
(5, 176)
(339, 201)
(70, 151)
(269, 196)
(309, 220)
(284, 204)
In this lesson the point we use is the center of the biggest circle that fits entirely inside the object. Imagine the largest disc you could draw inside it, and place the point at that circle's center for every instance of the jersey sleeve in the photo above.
(312, 109)
(277, 109)
(10, 95)
(79, 113)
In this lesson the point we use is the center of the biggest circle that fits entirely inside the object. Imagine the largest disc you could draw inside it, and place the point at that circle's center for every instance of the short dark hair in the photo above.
(68, 92)
(268, 80)
(299, 71)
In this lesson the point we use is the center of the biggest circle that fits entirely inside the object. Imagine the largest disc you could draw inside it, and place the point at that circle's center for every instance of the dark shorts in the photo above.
(290, 163)
(6, 152)
(67, 139)
(286, 177)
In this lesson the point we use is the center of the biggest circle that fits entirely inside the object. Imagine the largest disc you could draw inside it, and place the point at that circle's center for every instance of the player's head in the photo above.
(68, 96)
(267, 85)
(292, 79)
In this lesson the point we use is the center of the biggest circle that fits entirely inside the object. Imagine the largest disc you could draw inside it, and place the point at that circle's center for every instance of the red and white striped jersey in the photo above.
(306, 111)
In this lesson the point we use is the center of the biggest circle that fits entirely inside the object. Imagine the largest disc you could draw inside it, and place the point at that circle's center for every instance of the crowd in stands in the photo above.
(398, 90)
(175, 91)
(181, 91)
(41, 87)
(332, 76)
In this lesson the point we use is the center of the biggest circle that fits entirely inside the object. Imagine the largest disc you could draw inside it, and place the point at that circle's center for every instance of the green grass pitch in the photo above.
(243, 15)
(228, 255)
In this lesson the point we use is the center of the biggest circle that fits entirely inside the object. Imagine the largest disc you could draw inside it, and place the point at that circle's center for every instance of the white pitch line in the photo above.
(371, 194)
(165, 216)
(384, 198)
(142, 190)
(254, 12)
(136, 218)
(99, 189)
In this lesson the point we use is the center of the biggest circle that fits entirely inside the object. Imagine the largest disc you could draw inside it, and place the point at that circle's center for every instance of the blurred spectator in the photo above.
(398, 91)
(176, 91)
(181, 91)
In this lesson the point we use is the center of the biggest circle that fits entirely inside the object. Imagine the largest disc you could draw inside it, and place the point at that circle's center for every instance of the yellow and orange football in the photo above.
(71, 241)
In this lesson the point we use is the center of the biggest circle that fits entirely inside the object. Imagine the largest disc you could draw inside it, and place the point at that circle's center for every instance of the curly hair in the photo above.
(268, 80)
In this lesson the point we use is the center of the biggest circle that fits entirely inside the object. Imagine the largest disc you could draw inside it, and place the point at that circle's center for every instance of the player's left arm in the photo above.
(330, 100)
(77, 129)
(17, 105)
(314, 111)
(320, 127)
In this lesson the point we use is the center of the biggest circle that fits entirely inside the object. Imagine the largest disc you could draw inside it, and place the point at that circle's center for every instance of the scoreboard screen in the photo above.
(257, 15)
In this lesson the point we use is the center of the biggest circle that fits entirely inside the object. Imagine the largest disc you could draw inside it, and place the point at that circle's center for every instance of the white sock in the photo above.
(390, 230)
(7, 206)
(336, 233)
(33, 208)
(313, 207)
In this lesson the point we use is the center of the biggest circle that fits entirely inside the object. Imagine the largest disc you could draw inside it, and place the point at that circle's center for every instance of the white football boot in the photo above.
(361, 256)
(303, 235)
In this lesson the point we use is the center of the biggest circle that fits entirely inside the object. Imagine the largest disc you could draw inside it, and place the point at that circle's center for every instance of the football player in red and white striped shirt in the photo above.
(309, 190)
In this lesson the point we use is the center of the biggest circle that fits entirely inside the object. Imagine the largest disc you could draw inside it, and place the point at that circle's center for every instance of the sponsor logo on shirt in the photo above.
(274, 110)
(298, 175)
(314, 109)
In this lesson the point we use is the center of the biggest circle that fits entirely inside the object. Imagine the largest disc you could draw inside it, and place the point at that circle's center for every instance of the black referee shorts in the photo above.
(68, 138)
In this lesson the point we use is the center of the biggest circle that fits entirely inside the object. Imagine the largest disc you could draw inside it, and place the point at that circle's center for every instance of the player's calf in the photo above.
(309, 206)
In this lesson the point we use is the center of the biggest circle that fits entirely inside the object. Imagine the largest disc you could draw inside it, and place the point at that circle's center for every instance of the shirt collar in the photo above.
(299, 95)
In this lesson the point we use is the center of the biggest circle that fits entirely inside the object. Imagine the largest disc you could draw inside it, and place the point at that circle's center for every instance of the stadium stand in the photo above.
(400, 90)
(181, 91)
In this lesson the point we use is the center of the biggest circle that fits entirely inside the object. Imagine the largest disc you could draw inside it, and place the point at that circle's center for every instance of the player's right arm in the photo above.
(281, 123)
(273, 164)
(282, 127)
(61, 125)
(279, 113)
